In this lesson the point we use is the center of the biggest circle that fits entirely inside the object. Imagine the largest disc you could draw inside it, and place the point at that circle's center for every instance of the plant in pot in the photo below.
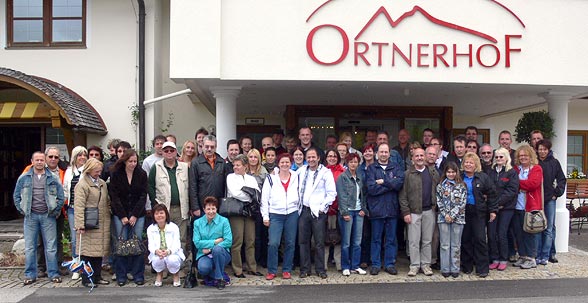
(531, 121)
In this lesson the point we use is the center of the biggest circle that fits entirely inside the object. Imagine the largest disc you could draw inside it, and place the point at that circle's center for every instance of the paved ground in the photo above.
(573, 264)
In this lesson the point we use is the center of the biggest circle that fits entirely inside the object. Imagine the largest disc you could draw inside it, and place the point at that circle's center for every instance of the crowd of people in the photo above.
(454, 211)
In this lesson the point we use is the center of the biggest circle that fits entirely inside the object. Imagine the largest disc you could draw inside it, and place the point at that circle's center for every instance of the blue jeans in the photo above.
(390, 246)
(46, 226)
(546, 239)
(215, 266)
(286, 225)
(133, 264)
(72, 231)
(351, 232)
(527, 242)
(450, 244)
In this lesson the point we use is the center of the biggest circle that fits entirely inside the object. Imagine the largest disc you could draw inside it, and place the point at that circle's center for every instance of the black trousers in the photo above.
(96, 263)
(308, 226)
(474, 248)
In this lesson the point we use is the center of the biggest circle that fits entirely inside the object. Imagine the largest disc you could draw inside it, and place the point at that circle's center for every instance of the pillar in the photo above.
(557, 106)
(226, 115)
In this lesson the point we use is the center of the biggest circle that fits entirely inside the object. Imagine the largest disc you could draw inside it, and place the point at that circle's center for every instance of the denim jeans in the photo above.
(390, 246)
(498, 236)
(309, 227)
(215, 266)
(130, 264)
(450, 238)
(546, 239)
(286, 225)
(351, 232)
(72, 231)
(46, 226)
(527, 242)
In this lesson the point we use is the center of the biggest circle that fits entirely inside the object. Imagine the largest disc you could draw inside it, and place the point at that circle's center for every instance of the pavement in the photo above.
(573, 264)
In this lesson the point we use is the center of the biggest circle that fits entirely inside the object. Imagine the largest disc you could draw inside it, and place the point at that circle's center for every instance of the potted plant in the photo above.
(531, 121)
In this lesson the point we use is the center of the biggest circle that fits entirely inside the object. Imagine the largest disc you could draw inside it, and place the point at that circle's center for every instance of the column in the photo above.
(226, 115)
(557, 106)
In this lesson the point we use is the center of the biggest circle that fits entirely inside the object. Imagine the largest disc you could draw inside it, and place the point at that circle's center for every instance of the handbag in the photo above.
(535, 221)
(128, 247)
(91, 218)
(253, 207)
(230, 207)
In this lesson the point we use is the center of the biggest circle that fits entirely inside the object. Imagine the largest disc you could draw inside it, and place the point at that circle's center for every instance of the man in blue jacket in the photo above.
(384, 181)
(38, 195)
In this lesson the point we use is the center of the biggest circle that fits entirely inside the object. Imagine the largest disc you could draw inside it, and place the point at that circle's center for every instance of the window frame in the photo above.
(584, 155)
(47, 19)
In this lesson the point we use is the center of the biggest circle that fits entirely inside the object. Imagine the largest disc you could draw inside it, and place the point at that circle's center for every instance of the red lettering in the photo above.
(380, 45)
(361, 54)
(395, 50)
(420, 55)
(439, 55)
(508, 50)
(455, 54)
(344, 39)
(479, 57)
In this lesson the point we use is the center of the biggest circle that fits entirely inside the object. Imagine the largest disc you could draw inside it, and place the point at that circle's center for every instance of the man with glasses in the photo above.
(486, 153)
(441, 154)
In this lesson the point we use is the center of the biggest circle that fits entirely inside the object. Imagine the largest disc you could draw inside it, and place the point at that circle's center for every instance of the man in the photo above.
(199, 136)
(38, 195)
(459, 150)
(395, 157)
(305, 138)
(370, 137)
(233, 150)
(431, 156)
(417, 206)
(168, 184)
(148, 163)
(428, 134)
(536, 136)
(108, 163)
(384, 180)
(403, 148)
(441, 154)
(317, 192)
(277, 137)
(267, 142)
(486, 154)
(505, 140)
(471, 133)
(208, 176)
(331, 142)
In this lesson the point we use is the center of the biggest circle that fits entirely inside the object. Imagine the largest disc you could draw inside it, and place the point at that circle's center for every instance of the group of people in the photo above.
(459, 210)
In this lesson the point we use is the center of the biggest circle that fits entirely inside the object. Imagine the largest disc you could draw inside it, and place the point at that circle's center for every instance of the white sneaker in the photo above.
(75, 276)
(413, 271)
(360, 271)
(346, 272)
(113, 277)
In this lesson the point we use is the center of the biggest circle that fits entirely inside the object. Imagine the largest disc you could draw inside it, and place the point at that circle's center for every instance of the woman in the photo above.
(91, 191)
(554, 186)
(530, 198)
(481, 207)
(270, 159)
(165, 247)
(352, 210)
(368, 159)
(254, 167)
(213, 238)
(189, 152)
(128, 191)
(79, 156)
(280, 211)
(258, 171)
(451, 196)
(246, 144)
(343, 151)
(333, 163)
(95, 152)
(507, 186)
(472, 146)
(297, 158)
(243, 228)
(291, 143)
(348, 140)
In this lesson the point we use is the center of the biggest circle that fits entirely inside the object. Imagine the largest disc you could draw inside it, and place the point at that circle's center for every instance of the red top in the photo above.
(285, 185)
(337, 170)
(534, 188)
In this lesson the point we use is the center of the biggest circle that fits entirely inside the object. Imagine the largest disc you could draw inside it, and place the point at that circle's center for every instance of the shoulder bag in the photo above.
(230, 207)
(91, 219)
(535, 221)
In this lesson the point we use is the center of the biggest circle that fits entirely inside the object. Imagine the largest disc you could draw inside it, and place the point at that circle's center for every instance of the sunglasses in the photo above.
(53, 157)
(486, 153)
(498, 157)
(169, 151)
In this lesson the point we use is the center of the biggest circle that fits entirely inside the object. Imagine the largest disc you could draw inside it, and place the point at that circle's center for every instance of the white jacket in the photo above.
(275, 200)
(172, 240)
(322, 193)
(236, 182)
(67, 177)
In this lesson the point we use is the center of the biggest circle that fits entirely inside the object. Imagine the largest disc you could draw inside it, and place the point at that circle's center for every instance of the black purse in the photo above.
(91, 218)
(231, 207)
(129, 247)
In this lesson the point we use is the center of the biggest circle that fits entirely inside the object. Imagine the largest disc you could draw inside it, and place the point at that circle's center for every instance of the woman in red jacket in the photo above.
(530, 198)
(334, 164)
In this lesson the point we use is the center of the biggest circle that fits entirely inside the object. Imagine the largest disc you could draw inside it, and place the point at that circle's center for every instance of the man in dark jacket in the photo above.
(384, 181)
(208, 175)
(459, 150)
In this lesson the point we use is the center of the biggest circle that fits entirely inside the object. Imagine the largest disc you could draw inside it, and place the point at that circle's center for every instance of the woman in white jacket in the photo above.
(165, 248)
(280, 210)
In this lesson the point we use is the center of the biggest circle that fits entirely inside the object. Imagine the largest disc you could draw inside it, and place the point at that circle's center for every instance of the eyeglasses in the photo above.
(486, 153)
(53, 157)
(169, 151)
(498, 157)
(331, 156)
(435, 144)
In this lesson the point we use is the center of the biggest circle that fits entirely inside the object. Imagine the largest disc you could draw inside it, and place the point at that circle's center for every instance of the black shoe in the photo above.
(303, 275)
(374, 271)
(553, 259)
(139, 282)
(240, 276)
(255, 273)
(455, 274)
(482, 275)
(220, 284)
(436, 266)
(445, 274)
(391, 270)
(323, 275)
(121, 283)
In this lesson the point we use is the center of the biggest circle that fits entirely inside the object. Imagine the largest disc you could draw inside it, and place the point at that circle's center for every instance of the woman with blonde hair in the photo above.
(189, 152)
(348, 140)
(79, 156)
(259, 172)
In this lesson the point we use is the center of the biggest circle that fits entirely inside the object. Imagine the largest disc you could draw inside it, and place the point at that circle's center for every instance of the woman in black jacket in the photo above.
(506, 181)
(128, 191)
(554, 186)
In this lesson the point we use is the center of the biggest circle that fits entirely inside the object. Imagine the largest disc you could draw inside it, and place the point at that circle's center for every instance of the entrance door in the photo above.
(16, 147)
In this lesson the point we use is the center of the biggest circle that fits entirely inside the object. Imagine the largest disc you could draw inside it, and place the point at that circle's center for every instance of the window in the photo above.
(577, 157)
(46, 23)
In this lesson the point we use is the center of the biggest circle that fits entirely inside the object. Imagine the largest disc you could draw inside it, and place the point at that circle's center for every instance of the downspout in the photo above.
(141, 74)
